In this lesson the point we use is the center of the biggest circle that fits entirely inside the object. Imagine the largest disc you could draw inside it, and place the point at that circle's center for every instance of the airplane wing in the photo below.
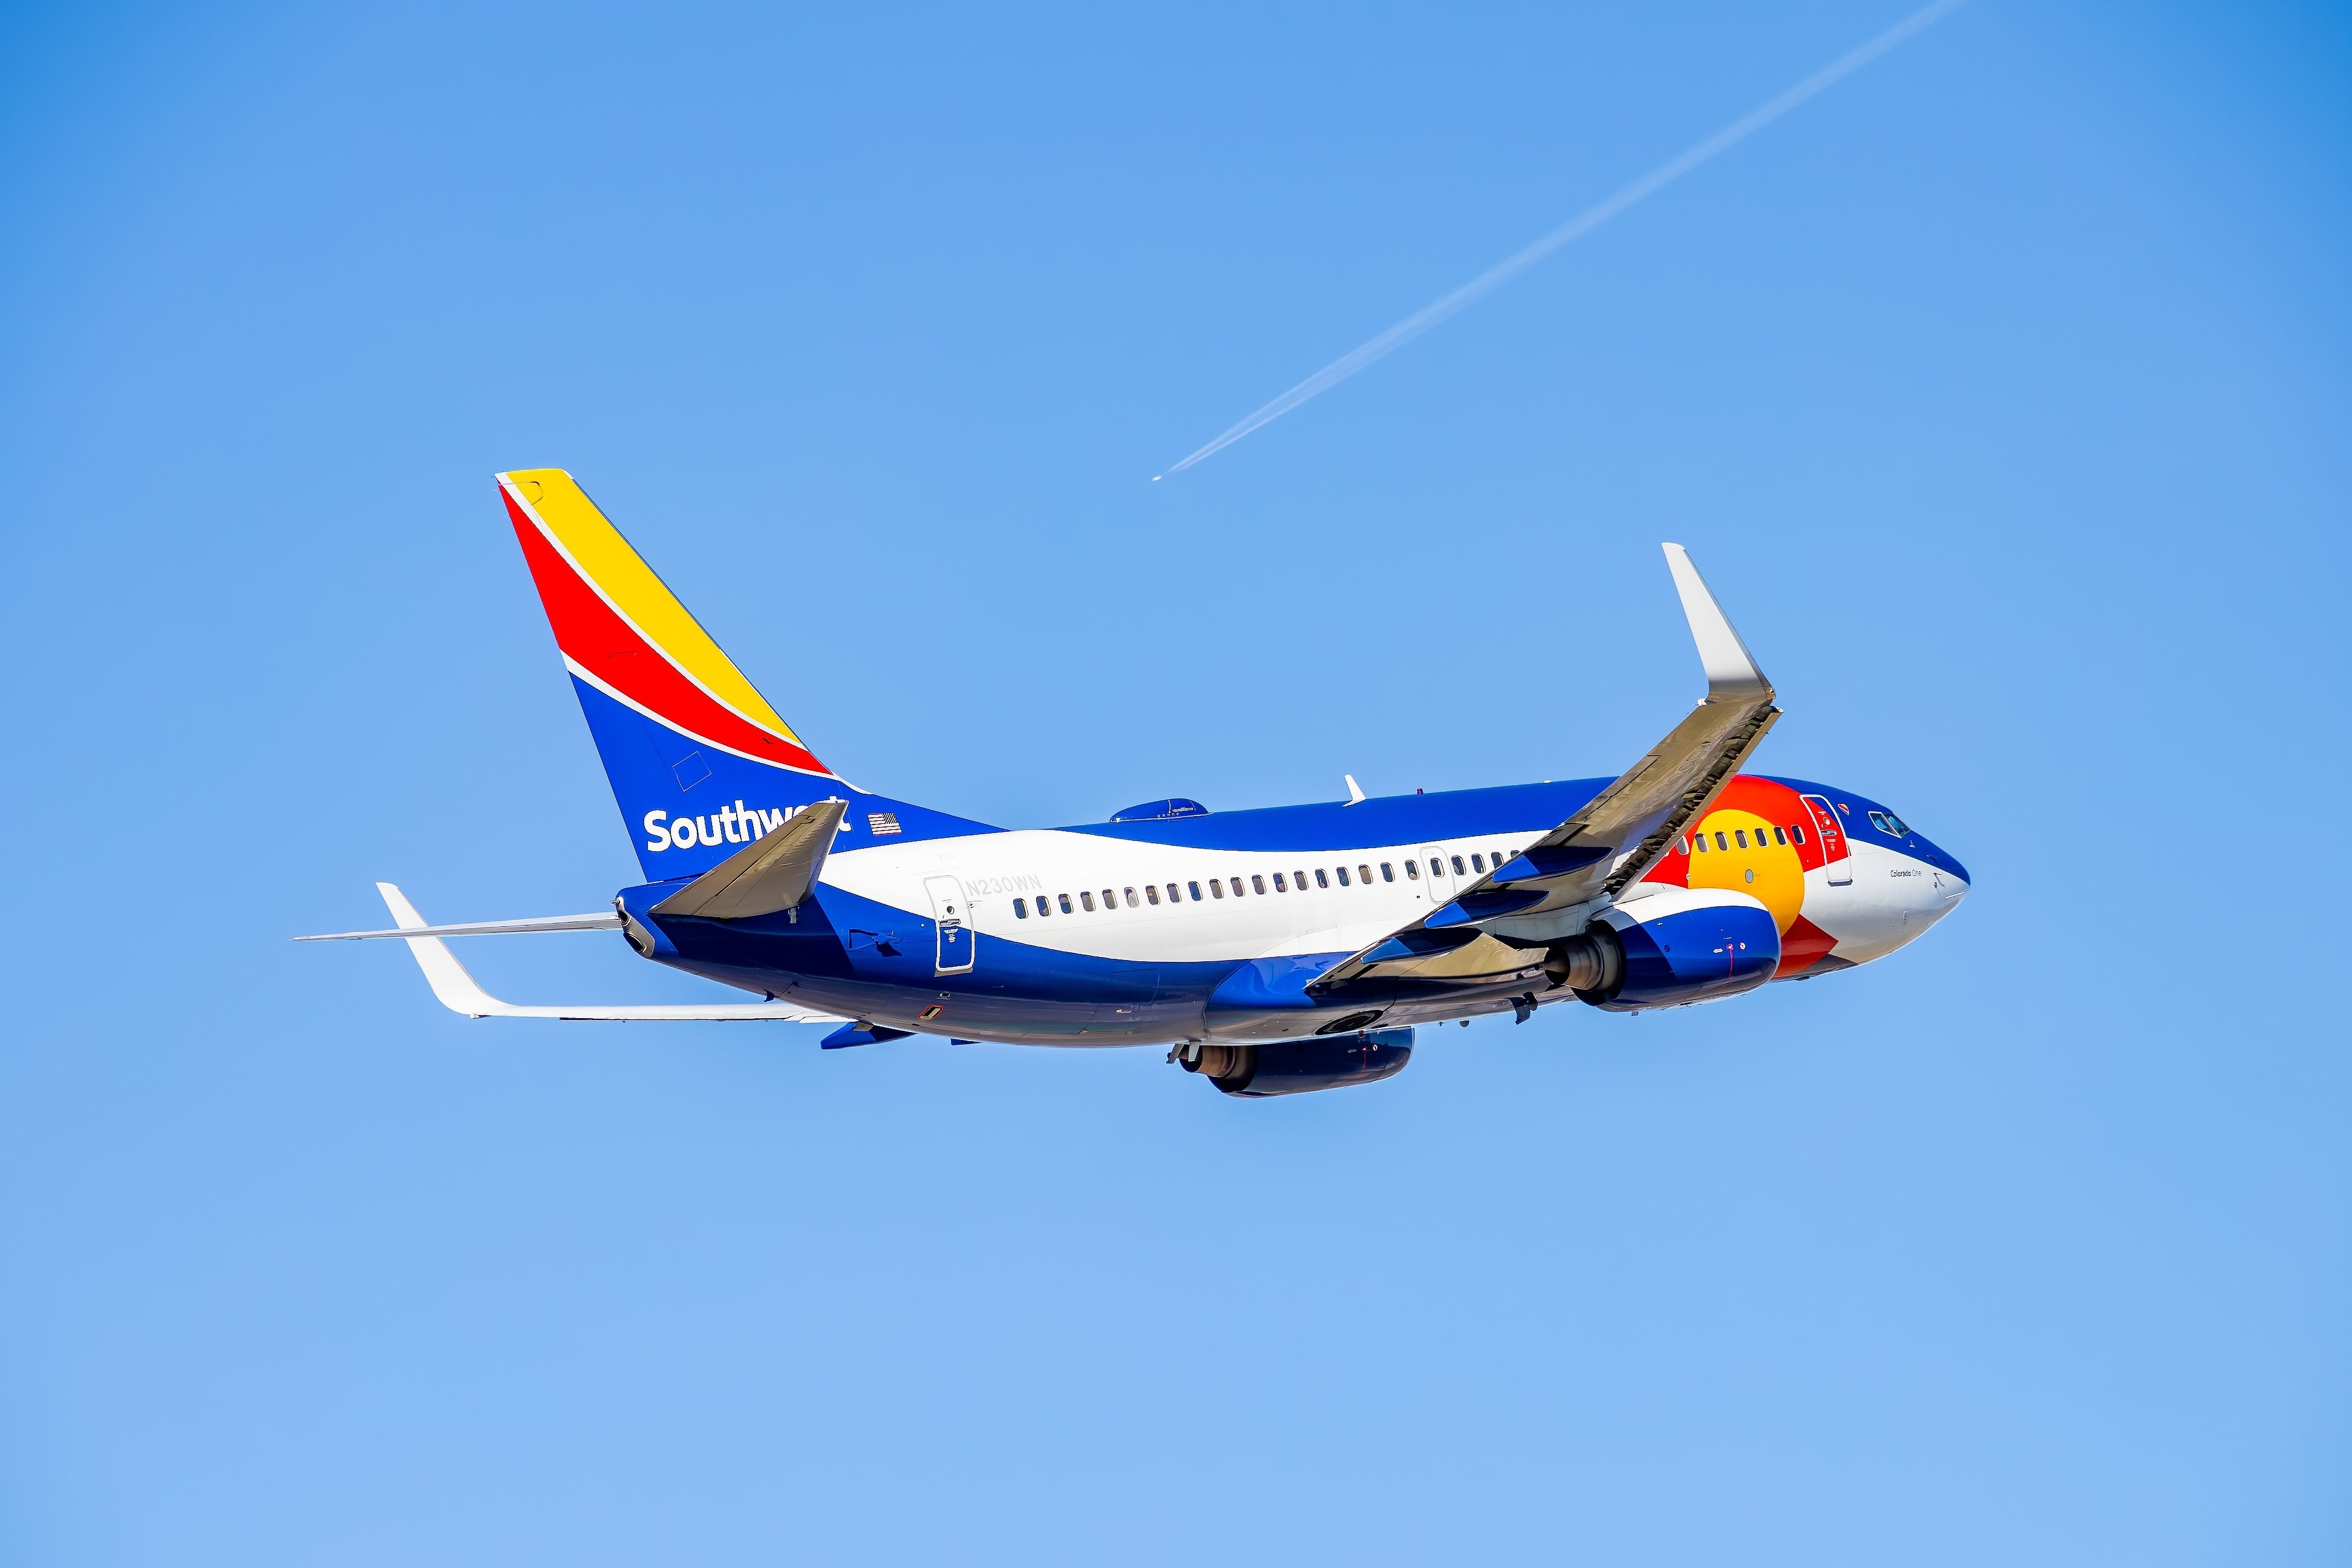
(459, 991)
(1612, 841)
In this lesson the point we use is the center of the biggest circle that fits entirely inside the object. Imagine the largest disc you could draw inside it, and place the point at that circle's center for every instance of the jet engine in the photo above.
(1677, 945)
(1296, 1067)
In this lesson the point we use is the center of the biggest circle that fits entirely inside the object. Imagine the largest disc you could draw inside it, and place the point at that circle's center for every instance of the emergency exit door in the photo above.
(1441, 876)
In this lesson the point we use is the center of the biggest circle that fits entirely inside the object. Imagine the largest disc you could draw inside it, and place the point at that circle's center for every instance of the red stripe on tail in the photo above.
(600, 642)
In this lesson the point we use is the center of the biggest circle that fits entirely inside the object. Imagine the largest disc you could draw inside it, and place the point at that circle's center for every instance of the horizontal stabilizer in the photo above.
(458, 992)
(775, 872)
(602, 920)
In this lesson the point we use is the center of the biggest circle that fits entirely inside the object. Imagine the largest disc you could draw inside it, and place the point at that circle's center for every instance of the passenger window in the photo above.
(1364, 875)
(1171, 894)
(1778, 837)
(1682, 845)
(1477, 862)
(1257, 886)
(1020, 909)
(1343, 876)
(1196, 891)
(1216, 887)
(1740, 834)
(1459, 868)
(1280, 886)
(1698, 842)
(1130, 898)
(1412, 869)
(1110, 900)
(1320, 879)
(1065, 900)
(1387, 874)
(1298, 880)
(1152, 891)
(1087, 899)
(1721, 843)
(1796, 834)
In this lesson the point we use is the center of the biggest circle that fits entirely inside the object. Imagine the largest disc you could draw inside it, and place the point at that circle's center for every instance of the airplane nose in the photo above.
(1954, 887)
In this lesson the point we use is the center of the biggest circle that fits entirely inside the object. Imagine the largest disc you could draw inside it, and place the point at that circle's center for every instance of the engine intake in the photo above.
(1299, 1067)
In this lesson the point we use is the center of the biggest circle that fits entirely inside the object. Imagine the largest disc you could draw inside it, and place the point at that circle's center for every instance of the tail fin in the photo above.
(699, 762)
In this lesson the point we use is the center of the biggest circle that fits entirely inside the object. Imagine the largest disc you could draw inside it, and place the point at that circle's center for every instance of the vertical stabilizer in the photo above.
(700, 763)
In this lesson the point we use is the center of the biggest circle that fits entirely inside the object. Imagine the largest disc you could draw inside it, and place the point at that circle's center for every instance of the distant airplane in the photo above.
(1278, 951)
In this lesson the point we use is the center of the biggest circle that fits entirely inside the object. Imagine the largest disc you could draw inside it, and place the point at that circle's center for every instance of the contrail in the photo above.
(1583, 224)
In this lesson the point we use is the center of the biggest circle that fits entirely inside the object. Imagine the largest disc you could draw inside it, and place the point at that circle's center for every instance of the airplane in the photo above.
(1276, 951)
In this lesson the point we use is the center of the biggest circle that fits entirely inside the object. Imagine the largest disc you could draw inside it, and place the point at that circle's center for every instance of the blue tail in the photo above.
(699, 762)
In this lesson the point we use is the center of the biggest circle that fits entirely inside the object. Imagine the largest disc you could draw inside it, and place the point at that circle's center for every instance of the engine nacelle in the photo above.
(1674, 947)
(1296, 1067)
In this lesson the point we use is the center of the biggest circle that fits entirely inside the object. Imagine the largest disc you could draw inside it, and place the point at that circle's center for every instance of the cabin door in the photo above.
(1832, 832)
(954, 919)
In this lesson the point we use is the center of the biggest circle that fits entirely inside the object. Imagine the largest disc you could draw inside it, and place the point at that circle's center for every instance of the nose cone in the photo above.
(1951, 880)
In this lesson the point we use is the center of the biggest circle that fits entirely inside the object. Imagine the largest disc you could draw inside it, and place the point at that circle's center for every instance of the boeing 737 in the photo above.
(1275, 951)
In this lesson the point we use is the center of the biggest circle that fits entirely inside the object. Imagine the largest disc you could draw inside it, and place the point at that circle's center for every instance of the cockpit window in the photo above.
(1886, 822)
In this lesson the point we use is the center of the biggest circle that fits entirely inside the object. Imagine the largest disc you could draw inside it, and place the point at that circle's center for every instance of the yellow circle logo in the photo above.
(1768, 872)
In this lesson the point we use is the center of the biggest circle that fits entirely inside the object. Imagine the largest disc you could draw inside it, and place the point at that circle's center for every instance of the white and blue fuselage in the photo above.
(1279, 950)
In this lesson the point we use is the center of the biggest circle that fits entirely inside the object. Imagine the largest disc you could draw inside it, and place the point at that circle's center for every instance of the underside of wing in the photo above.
(1498, 931)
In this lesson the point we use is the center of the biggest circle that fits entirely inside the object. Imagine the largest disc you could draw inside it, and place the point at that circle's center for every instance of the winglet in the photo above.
(1355, 790)
(1731, 672)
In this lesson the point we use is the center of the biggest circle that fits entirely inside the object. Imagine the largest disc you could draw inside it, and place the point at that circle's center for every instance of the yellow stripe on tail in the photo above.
(618, 572)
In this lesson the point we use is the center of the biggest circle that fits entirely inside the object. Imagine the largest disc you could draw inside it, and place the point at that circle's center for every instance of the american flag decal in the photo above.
(882, 823)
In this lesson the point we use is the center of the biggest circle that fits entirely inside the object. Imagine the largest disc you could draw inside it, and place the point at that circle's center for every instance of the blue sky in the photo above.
(2001, 393)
